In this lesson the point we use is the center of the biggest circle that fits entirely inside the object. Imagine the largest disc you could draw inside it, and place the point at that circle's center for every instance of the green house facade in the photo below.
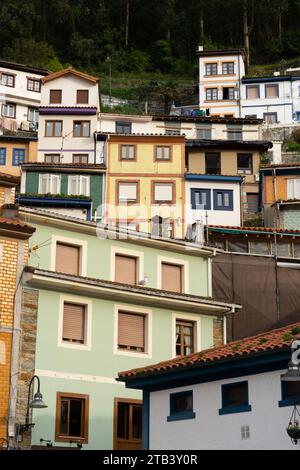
(70, 189)
(94, 319)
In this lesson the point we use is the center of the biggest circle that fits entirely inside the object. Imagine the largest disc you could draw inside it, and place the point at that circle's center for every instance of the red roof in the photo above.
(15, 223)
(271, 341)
(253, 229)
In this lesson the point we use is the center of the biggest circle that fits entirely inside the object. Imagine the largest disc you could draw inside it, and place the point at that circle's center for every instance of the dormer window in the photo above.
(82, 96)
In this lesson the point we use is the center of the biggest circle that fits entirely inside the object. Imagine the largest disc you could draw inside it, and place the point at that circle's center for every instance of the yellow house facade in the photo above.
(145, 181)
(16, 148)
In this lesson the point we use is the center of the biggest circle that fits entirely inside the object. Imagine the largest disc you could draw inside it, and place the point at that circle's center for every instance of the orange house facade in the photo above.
(145, 183)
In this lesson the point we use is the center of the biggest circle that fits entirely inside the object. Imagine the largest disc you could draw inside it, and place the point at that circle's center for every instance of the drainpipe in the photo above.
(241, 202)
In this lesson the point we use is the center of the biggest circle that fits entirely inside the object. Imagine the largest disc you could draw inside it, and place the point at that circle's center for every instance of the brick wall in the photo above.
(218, 332)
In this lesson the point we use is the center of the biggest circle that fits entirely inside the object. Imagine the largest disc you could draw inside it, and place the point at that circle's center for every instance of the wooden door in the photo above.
(127, 424)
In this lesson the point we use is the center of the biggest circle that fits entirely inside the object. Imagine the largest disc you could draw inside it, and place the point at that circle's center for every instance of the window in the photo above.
(2, 156)
(172, 277)
(72, 417)
(252, 203)
(81, 158)
(212, 94)
(184, 337)
(33, 84)
(293, 188)
(203, 131)
(235, 398)
(201, 199)
(244, 161)
(123, 127)
(126, 269)
(272, 91)
(223, 200)
(52, 158)
(82, 96)
(49, 184)
(81, 129)
(127, 152)
(74, 323)
(181, 406)
(55, 96)
(131, 331)
(128, 419)
(211, 69)
(33, 115)
(54, 128)
(252, 92)
(9, 110)
(7, 79)
(270, 118)
(78, 185)
(228, 68)
(228, 93)
(128, 193)
(18, 156)
(67, 259)
(163, 153)
(234, 132)
(163, 193)
(172, 130)
(213, 163)
(290, 394)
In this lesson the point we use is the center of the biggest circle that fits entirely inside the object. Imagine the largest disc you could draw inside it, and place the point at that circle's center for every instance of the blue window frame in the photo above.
(223, 200)
(18, 156)
(235, 398)
(2, 156)
(201, 199)
(290, 394)
(181, 406)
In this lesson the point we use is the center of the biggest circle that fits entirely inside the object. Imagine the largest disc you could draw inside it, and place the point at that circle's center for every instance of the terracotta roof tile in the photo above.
(71, 71)
(272, 340)
(15, 223)
(252, 229)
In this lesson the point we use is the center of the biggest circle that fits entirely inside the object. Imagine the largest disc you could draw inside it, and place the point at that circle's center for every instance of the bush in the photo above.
(296, 135)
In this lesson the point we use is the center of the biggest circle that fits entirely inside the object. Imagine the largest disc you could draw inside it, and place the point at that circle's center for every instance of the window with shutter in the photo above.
(82, 96)
(163, 193)
(125, 269)
(67, 259)
(272, 91)
(79, 185)
(74, 323)
(55, 96)
(252, 92)
(172, 277)
(293, 188)
(128, 193)
(131, 331)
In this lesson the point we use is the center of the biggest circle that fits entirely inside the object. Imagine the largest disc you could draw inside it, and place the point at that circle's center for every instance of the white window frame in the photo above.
(50, 183)
(82, 244)
(126, 308)
(80, 185)
(197, 330)
(9, 107)
(177, 262)
(293, 182)
(115, 250)
(87, 346)
(35, 113)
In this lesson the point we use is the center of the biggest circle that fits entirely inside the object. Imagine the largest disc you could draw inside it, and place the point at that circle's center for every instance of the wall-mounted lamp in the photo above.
(36, 403)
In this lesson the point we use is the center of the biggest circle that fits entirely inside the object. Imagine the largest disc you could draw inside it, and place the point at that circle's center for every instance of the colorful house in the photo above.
(68, 188)
(145, 180)
(16, 147)
(99, 302)
(228, 398)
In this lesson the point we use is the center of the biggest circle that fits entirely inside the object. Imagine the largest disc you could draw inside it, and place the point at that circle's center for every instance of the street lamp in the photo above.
(293, 375)
(36, 403)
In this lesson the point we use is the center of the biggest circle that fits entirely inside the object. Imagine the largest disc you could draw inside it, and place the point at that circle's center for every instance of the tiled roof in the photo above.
(253, 229)
(141, 135)
(65, 165)
(15, 223)
(280, 165)
(25, 135)
(262, 343)
(236, 144)
(9, 178)
(68, 71)
(207, 119)
(22, 67)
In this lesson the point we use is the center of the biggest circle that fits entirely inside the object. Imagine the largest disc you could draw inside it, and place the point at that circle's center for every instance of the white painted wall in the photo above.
(231, 218)
(209, 431)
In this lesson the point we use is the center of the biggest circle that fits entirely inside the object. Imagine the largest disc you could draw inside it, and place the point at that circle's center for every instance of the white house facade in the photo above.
(20, 95)
(213, 200)
(227, 398)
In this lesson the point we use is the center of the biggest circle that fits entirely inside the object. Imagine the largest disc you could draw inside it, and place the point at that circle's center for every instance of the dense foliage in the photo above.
(140, 36)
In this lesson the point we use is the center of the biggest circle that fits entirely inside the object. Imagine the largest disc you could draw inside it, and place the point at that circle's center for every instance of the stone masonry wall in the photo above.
(218, 332)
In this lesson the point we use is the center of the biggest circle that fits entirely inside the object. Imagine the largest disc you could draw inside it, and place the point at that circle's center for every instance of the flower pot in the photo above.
(294, 433)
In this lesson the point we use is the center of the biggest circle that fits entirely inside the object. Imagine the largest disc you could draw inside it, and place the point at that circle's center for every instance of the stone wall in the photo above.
(291, 157)
(218, 332)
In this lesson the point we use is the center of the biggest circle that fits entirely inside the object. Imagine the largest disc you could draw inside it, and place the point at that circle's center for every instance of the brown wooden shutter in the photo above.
(126, 269)
(171, 277)
(74, 323)
(55, 96)
(131, 331)
(82, 96)
(67, 259)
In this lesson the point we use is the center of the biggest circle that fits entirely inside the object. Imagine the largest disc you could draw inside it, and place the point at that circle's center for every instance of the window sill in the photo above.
(181, 416)
(289, 402)
(235, 410)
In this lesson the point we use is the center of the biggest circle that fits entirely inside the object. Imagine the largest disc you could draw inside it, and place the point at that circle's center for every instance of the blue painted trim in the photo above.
(181, 416)
(281, 171)
(225, 402)
(267, 114)
(18, 157)
(285, 400)
(228, 179)
(55, 202)
(223, 207)
(206, 206)
(146, 420)
(266, 79)
(273, 97)
(252, 86)
(235, 410)
(66, 150)
(2, 156)
(284, 403)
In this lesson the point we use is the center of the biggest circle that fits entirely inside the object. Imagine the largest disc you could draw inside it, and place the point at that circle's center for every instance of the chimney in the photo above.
(9, 211)
(199, 232)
